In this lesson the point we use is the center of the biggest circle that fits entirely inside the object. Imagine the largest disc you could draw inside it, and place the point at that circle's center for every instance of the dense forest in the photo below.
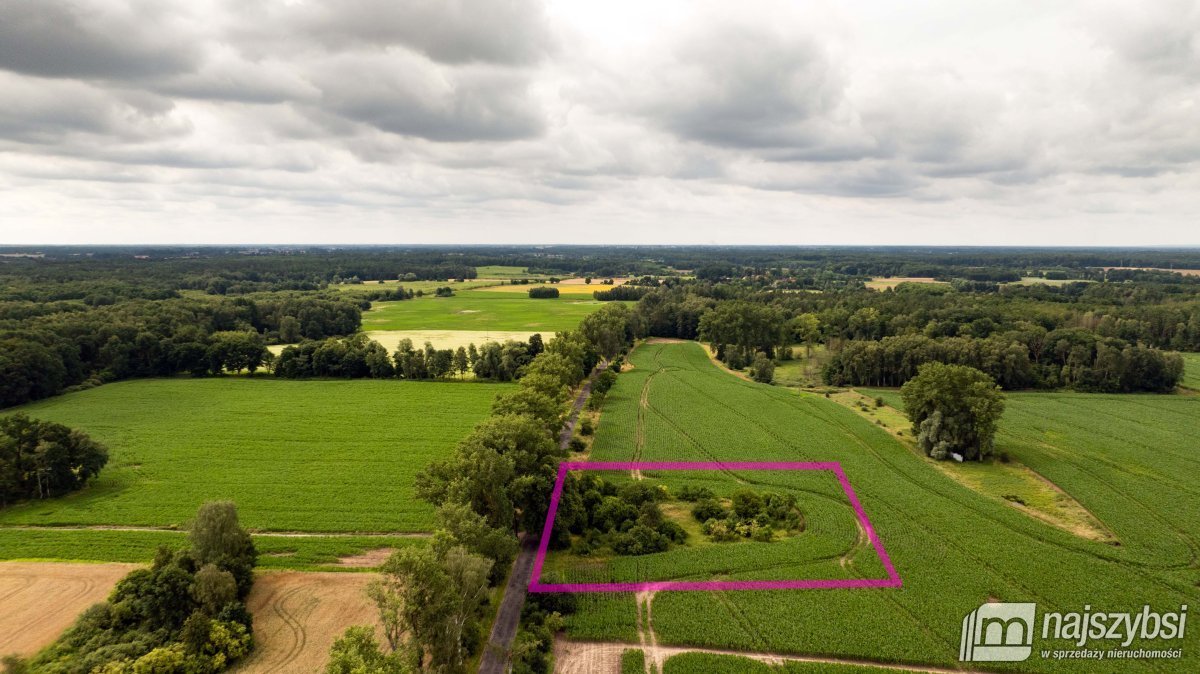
(74, 317)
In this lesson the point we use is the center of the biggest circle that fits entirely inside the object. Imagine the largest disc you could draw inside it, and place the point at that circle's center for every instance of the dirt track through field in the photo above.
(603, 657)
(298, 615)
(41, 599)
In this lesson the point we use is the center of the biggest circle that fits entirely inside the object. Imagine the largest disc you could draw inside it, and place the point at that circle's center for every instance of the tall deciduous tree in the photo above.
(954, 409)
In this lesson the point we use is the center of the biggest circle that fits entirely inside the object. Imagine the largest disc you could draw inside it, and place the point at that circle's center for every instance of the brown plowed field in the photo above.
(299, 614)
(38, 600)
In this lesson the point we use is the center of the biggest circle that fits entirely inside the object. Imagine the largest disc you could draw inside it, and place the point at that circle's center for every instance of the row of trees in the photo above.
(186, 613)
(359, 357)
(43, 355)
(493, 487)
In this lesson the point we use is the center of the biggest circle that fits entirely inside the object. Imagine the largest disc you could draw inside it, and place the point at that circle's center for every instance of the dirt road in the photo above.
(504, 630)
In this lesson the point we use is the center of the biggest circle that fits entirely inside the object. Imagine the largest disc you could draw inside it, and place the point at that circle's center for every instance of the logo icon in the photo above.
(998, 633)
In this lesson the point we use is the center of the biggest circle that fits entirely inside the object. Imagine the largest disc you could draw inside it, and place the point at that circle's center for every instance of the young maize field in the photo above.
(1128, 459)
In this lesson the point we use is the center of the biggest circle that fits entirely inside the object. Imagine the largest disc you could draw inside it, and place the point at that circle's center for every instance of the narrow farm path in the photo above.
(599, 657)
(508, 617)
(654, 659)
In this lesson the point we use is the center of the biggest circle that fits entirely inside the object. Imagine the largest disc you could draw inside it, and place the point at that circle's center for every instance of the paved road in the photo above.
(508, 618)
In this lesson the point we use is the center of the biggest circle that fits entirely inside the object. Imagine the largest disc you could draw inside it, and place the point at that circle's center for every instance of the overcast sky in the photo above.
(648, 121)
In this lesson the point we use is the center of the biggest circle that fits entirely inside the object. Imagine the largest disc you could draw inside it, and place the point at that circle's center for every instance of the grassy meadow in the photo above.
(317, 456)
(480, 310)
(1124, 458)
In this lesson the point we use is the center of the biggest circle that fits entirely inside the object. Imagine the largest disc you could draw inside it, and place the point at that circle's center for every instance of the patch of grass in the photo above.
(1191, 370)
(496, 271)
(480, 310)
(805, 368)
(886, 282)
(293, 455)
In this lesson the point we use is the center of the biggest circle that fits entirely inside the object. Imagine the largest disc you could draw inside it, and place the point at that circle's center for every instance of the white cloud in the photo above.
(673, 121)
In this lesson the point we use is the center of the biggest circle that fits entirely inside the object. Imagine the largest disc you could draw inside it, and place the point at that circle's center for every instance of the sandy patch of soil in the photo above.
(370, 559)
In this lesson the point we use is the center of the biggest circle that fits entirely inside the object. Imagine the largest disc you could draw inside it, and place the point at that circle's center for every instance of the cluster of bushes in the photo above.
(493, 487)
(183, 615)
(750, 514)
(543, 292)
(626, 519)
(358, 357)
(42, 459)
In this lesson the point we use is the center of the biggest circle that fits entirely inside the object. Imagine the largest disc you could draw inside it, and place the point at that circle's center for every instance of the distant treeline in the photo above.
(1095, 337)
(44, 355)
(1073, 358)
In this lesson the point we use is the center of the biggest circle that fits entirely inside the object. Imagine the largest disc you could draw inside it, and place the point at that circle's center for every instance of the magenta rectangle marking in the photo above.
(535, 584)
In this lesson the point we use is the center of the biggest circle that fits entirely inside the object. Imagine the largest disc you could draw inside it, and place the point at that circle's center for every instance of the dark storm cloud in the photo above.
(60, 38)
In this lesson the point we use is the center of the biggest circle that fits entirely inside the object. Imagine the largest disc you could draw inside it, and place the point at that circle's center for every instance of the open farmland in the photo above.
(954, 548)
(41, 600)
(296, 615)
(427, 287)
(890, 282)
(480, 310)
(448, 339)
(572, 286)
(316, 456)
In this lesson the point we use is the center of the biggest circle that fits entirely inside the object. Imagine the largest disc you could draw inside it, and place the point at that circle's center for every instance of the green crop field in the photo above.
(716, 663)
(315, 456)
(309, 552)
(1191, 370)
(1126, 458)
(480, 310)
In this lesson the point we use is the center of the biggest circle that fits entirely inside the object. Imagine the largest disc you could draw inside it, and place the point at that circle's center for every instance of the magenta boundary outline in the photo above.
(893, 579)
